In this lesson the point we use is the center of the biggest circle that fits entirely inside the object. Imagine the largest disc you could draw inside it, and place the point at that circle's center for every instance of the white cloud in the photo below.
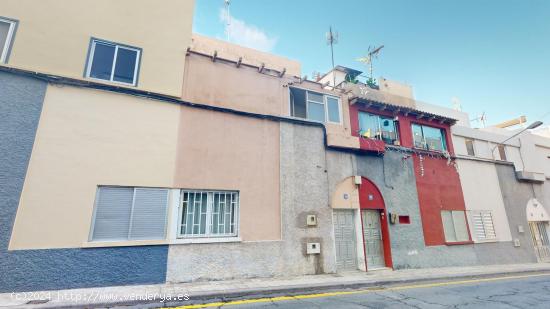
(247, 35)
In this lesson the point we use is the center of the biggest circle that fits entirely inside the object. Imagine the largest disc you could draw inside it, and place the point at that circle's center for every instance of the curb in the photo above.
(291, 290)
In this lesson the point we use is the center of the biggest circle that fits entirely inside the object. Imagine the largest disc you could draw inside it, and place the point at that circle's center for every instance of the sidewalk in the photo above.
(197, 292)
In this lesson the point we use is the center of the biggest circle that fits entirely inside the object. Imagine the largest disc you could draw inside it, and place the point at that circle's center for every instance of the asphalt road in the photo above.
(527, 291)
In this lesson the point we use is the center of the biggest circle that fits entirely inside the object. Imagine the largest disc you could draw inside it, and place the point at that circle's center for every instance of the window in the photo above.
(209, 214)
(113, 62)
(470, 147)
(483, 227)
(125, 213)
(454, 226)
(502, 152)
(429, 138)
(378, 127)
(314, 106)
(7, 31)
(404, 220)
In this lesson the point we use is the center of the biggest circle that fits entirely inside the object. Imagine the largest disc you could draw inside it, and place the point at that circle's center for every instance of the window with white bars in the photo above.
(482, 222)
(209, 214)
(127, 213)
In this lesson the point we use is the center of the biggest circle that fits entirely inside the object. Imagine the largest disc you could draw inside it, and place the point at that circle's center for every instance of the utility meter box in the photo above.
(311, 220)
(313, 248)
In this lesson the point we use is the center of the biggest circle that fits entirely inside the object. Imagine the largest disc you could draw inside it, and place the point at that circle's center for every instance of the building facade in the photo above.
(138, 158)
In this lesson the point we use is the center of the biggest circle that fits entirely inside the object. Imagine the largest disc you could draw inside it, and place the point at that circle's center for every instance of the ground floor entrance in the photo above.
(541, 243)
(372, 239)
(344, 236)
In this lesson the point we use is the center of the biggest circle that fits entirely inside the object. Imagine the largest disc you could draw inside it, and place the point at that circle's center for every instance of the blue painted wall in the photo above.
(21, 101)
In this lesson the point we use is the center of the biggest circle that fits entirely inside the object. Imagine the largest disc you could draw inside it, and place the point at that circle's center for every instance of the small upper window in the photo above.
(378, 127)
(7, 31)
(502, 152)
(429, 138)
(470, 147)
(314, 106)
(113, 62)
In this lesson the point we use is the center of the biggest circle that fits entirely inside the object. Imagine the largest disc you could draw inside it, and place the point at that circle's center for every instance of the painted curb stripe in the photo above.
(331, 294)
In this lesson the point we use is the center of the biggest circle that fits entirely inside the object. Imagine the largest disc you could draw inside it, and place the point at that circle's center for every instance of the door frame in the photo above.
(370, 198)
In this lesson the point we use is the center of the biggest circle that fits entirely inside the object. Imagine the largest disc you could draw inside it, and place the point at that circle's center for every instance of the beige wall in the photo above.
(346, 195)
(53, 36)
(250, 56)
(245, 89)
(86, 138)
(222, 151)
(222, 84)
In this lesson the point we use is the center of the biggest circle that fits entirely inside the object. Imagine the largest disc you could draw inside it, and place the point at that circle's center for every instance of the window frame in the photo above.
(128, 239)
(325, 103)
(482, 214)
(466, 140)
(6, 49)
(443, 132)
(326, 97)
(89, 61)
(209, 213)
(466, 227)
(379, 122)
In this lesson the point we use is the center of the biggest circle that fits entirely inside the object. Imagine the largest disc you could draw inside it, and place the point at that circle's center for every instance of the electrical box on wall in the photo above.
(313, 248)
(520, 228)
(311, 220)
(516, 243)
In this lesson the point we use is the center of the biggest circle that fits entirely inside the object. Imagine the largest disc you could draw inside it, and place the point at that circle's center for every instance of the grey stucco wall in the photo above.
(304, 190)
(309, 176)
(398, 187)
(396, 181)
(516, 195)
(21, 101)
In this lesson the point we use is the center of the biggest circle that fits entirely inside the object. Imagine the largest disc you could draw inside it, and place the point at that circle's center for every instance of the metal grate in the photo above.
(209, 214)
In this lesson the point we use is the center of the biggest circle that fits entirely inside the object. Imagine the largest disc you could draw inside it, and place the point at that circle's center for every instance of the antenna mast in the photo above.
(227, 18)
(332, 38)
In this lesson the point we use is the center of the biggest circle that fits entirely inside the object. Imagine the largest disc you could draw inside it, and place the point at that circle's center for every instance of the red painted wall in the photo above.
(404, 125)
(366, 189)
(439, 189)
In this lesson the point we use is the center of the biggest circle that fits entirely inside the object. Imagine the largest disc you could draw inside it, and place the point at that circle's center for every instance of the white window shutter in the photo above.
(149, 214)
(112, 214)
(448, 226)
(461, 228)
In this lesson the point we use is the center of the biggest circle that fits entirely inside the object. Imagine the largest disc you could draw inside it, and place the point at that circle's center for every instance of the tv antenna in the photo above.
(332, 38)
(372, 54)
(482, 119)
(227, 18)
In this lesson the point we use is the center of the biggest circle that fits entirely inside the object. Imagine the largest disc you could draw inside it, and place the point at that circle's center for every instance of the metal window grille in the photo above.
(483, 225)
(209, 214)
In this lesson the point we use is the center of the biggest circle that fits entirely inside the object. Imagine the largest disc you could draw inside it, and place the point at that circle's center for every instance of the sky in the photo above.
(493, 55)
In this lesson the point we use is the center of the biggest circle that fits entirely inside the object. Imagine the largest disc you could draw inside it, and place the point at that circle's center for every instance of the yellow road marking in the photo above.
(339, 293)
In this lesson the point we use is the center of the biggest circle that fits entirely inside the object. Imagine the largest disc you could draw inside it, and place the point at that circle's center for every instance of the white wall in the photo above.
(481, 190)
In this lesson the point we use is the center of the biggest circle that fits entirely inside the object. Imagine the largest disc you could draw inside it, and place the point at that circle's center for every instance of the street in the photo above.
(520, 291)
